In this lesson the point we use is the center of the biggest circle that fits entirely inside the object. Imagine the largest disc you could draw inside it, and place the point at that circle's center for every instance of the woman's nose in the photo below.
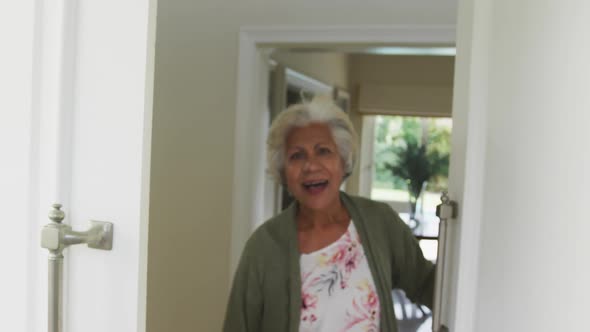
(311, 164)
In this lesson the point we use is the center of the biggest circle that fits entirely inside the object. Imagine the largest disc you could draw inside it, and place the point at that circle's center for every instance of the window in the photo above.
(409, 170)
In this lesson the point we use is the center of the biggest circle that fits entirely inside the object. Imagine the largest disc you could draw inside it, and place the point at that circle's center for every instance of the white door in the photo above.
(75, 129)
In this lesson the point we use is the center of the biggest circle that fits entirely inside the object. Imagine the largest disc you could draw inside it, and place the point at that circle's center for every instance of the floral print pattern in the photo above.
(338, 292)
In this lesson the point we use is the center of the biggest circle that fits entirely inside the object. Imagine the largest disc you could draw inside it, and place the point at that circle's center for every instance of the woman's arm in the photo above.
(414, 273)
(244, 308)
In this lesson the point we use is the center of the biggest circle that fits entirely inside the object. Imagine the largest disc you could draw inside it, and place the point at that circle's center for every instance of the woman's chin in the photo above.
(319, 201)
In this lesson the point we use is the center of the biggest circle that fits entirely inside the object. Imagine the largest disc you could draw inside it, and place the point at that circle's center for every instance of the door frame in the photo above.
(466, 160)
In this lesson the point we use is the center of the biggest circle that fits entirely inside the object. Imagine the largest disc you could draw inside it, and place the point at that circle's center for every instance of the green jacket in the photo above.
(266, 291)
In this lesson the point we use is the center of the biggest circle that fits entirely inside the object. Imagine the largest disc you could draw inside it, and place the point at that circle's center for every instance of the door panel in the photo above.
(83, 140)
(109, 145)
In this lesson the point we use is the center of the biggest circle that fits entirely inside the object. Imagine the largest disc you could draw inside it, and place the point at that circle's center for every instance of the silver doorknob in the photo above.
(56, 236)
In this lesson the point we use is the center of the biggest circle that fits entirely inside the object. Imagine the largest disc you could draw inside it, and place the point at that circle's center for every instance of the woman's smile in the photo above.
(315, 186)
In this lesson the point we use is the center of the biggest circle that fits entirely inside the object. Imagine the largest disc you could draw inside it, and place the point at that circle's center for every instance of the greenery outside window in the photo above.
(412, 148)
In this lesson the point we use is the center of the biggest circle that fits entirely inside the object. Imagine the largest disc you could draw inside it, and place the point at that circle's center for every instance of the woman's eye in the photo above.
(324, 151)
(296, 156)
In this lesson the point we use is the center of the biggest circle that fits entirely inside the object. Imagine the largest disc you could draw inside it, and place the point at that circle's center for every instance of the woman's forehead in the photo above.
(314, 133)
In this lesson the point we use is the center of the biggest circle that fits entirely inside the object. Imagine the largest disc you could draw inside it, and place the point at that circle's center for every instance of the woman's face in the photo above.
(313, 168)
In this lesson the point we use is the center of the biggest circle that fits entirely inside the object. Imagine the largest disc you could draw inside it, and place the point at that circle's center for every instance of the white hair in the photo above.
(320, 110)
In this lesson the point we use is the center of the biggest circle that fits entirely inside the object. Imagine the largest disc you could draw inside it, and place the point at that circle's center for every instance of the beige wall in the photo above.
(327, 67)
(192, 152)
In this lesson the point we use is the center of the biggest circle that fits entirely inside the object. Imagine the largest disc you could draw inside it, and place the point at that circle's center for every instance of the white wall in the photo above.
(534, 273)
(193, 140)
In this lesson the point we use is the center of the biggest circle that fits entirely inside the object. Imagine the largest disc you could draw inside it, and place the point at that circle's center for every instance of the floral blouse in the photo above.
(338, 292)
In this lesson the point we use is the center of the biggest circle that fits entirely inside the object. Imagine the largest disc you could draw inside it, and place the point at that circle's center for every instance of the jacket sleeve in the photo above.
(244, 308)
(412, 272)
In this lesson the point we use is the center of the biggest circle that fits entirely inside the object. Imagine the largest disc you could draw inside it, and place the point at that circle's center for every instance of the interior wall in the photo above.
(533, 272)
(193, 139)
(328, 67)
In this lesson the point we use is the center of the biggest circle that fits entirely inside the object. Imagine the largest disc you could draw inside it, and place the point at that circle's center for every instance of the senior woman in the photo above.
(329, 261)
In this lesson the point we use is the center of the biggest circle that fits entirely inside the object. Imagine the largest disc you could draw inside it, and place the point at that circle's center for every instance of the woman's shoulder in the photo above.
(369, 206)
(365, 202)
(374, 214)
(273, 234)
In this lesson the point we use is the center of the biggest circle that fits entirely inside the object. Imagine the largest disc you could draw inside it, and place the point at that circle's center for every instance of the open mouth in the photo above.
(315, 186)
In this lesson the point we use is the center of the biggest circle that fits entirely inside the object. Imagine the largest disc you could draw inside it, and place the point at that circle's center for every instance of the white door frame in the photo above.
(466, 158)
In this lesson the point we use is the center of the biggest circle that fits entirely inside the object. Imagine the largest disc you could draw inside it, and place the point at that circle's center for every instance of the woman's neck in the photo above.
(313, 219)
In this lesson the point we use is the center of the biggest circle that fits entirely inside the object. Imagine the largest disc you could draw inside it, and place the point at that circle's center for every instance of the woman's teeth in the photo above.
(315, 184)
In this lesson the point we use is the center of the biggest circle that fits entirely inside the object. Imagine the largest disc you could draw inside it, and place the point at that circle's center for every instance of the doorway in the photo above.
(362, 80)
(252, 106)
